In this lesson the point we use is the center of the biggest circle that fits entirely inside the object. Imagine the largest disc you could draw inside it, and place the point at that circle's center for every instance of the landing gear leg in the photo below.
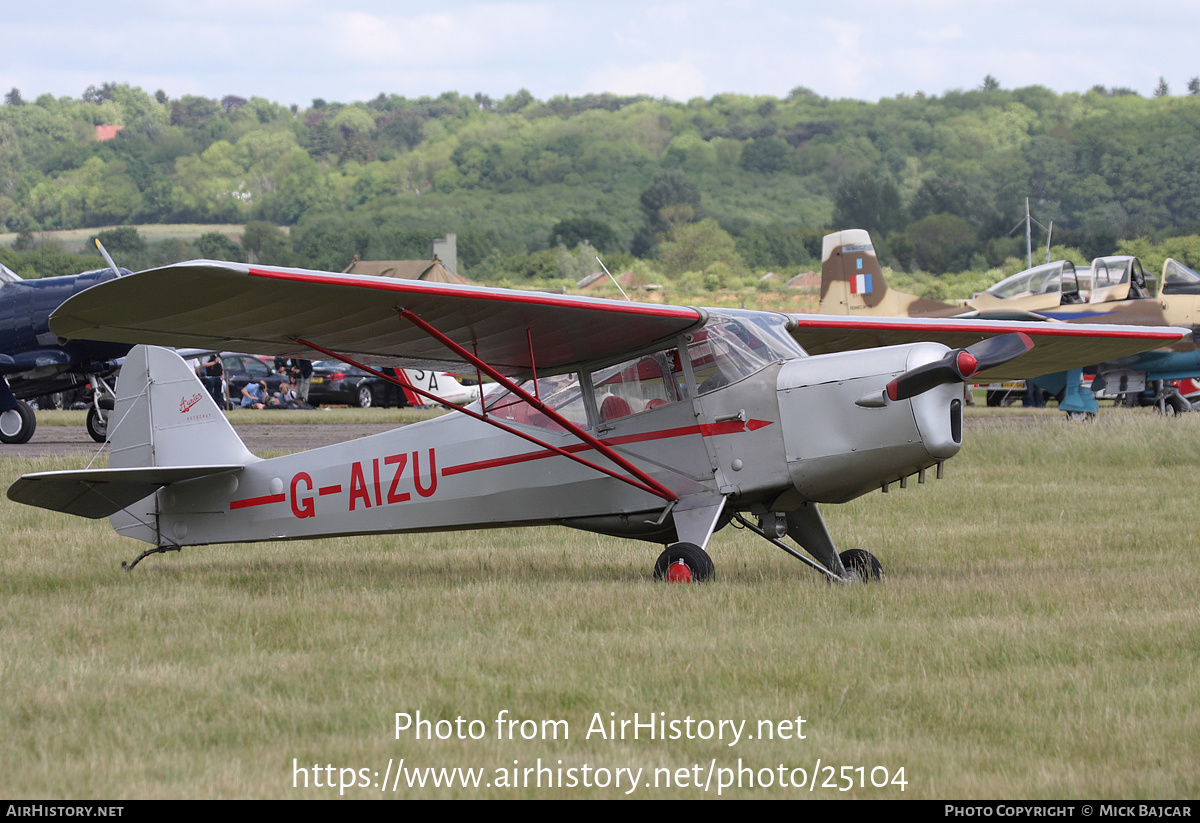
(103, 401)
(806, 527)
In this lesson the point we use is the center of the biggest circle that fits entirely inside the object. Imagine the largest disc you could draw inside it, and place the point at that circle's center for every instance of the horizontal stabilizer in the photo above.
(99, 493)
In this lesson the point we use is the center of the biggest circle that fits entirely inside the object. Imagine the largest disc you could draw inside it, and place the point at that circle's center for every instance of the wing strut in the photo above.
(649, 485)
(655, 487)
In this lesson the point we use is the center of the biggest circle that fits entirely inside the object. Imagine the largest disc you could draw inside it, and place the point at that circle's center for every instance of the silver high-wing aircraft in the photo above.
(660, 423)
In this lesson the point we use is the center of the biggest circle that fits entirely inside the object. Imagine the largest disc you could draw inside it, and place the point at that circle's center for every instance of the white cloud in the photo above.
(941, 35)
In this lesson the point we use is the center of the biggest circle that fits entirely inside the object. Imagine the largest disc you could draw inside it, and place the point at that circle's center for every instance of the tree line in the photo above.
(720, 187)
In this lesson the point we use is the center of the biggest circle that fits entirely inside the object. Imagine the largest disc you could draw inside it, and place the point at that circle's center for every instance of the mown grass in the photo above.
(1036, 638)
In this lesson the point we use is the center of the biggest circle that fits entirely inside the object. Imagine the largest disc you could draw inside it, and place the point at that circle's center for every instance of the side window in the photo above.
(647, 383)
(561, 393)
(724, 352)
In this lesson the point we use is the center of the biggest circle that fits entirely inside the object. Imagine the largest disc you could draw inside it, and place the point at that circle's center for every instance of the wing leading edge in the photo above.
(218, 305)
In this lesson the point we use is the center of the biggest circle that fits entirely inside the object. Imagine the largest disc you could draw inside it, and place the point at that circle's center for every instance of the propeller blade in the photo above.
(996, 351)
(959, 365)
(107, 259)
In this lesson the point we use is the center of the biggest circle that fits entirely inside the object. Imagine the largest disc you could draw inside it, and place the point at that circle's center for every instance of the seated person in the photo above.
(254, 395)
(285, 398)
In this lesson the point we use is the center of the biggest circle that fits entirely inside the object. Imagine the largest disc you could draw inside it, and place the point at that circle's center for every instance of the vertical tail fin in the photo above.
(851, 278)
(852, 282)
(164, 416)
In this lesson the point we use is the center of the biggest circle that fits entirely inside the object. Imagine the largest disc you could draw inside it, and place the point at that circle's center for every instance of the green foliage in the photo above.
(697, 247)
(671, 200)
(768, 155)
(121, 241)
(575, 230)
(864, 202)
(512, 177)
(266, 243)
(941, 243)
(778, 246)
(216, 246)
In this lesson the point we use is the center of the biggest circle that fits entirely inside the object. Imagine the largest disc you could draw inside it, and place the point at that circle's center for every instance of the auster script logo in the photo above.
(186, 403)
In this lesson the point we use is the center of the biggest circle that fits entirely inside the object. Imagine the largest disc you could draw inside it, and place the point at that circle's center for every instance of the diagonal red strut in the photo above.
(651, 485)
(660, 490)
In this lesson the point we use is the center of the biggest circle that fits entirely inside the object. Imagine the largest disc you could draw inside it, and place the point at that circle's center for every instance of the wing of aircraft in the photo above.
(280, 311)
(233, 306)
(1057, 346)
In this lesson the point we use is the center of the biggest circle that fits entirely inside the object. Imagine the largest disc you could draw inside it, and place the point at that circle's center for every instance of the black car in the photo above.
(335, 383)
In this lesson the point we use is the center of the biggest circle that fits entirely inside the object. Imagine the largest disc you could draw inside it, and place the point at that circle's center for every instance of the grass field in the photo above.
(77, 239)
(1037, 637)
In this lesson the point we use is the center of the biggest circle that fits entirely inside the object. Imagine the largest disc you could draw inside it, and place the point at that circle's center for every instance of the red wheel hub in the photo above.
(678, 572)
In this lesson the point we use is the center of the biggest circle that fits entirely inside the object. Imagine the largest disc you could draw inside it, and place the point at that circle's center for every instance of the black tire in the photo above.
(96, 427)
(366, 397)
(19, 428)
(699, 565)
(862, 566)
(1176, 405)
(995, 398)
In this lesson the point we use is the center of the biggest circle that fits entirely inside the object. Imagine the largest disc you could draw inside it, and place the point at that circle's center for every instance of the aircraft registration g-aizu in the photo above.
(655, 422)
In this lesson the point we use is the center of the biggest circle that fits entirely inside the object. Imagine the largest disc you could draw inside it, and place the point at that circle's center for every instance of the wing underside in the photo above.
(233, 306)
(218, 305)
(1057, 346)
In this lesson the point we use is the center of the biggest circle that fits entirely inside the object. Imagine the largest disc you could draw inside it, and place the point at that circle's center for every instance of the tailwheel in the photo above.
(862, 566)
(684, 563)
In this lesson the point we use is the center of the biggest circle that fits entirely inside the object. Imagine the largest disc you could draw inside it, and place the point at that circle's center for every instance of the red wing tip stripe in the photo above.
(256, 501)
(421, 287)
(1040, 329)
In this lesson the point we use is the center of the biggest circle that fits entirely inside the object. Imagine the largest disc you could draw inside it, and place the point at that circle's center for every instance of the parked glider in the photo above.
(34, 361)
(660, 423)
(1112, 290)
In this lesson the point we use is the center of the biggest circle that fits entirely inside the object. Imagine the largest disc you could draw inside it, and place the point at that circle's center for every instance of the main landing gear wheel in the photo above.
(17, 425)
(862, 566)
(96, 427)
(1174, 406)
(684, 563)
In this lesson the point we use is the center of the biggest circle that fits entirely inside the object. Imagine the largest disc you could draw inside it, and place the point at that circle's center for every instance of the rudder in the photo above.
(164, 416)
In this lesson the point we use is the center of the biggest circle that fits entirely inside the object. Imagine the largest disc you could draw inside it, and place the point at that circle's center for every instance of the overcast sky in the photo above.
(291, 51)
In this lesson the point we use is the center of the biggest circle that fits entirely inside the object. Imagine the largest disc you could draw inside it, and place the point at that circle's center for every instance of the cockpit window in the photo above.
(7, 275)
(562, 393)
(1038, 280)
(646, 383)
(724, 352)
(1110, 271)
(1177, 274)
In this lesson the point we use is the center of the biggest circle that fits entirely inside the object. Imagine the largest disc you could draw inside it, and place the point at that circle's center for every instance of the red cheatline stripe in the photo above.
(708, 430)
(256, 501)
(525, 298)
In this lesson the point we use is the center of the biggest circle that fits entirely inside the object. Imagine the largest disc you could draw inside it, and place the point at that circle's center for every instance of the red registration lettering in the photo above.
(305, 507)
(358, 487)
(400, 461)
(422, 490)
